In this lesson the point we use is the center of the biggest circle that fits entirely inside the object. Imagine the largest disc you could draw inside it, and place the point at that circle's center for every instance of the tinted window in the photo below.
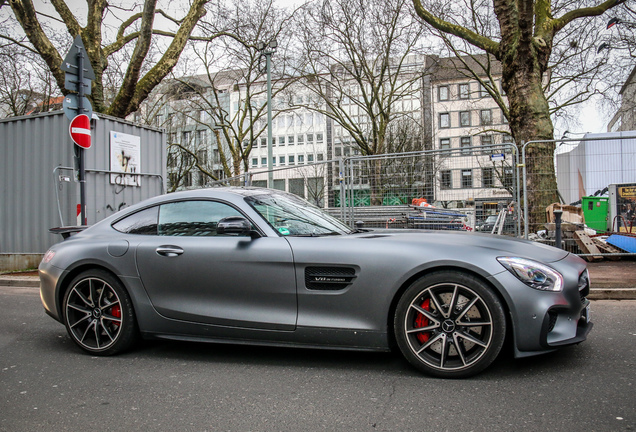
(142, 222)
(193, 218)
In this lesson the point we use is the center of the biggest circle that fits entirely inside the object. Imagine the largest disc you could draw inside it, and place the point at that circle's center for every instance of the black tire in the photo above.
(450, 324)
(98, 313)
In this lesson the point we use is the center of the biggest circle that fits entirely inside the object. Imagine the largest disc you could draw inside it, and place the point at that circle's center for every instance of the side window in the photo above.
(192, 218)
(143, 222)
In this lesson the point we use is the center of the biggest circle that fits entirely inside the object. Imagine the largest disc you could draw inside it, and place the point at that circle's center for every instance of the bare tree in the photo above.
(24, 85)
(132, 42)
(360, 60)
(521, 35)
(232, 91)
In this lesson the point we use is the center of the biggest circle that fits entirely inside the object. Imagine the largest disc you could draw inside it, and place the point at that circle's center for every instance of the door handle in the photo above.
(169, 251)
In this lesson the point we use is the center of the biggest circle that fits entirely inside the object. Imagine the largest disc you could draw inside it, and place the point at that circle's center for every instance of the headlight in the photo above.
(535, 275)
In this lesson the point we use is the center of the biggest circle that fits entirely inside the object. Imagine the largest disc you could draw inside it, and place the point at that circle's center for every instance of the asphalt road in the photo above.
(47, 384)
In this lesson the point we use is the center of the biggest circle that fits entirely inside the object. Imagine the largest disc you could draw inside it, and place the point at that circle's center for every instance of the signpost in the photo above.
(79, 75)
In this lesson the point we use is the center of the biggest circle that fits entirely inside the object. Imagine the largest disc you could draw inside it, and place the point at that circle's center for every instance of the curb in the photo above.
(20, 281)
(601, 293)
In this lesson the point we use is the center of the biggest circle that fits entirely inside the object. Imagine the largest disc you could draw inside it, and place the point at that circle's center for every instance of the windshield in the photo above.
(293, 216)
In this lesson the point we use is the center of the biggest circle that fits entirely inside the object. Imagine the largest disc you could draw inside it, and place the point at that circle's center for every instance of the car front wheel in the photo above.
(98, 313)
(450, 324)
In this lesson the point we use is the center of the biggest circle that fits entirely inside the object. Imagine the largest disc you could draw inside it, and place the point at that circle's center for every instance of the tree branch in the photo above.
(469, 36)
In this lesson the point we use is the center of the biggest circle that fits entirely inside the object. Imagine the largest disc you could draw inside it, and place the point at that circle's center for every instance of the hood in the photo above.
(499, 245)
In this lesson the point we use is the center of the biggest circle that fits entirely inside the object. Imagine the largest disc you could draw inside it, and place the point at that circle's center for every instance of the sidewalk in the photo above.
(611, 280)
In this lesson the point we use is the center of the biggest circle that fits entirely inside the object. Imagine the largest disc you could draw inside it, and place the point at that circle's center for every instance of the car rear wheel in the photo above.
(98, 313)
(450, 324)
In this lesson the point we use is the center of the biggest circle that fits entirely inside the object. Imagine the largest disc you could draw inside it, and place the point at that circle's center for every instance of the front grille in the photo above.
(329, 278)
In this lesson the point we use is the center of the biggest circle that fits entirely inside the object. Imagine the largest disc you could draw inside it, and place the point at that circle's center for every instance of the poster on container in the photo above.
(125, 159)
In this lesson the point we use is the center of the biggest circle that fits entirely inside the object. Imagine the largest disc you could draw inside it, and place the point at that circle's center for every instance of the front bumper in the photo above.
(543, 321)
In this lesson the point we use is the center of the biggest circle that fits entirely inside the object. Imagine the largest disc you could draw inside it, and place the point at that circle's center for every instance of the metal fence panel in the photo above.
(596, 190)
(440, 189)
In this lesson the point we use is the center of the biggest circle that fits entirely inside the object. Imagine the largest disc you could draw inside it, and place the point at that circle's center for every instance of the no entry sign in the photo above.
(80, 130)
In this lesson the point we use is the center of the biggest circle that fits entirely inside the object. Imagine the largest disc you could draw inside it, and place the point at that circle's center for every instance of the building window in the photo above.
(310, 138)
(445, 179)
(297, 186)
(508, 178)
(487, 178)
(319, 137)
(443, 93)
(301, 139)
(202, 157)
(486, 141)
(290, 140)
(291, 160)
(264, 161)
(467, 179)
(281, 141)
(254, 162)
(507, 139)
(482, 91)
(485, 117)
(445, 144)
(320, 157)
(444, 120)
(301, 159)
(263, 142)
(464, 91)
(310, 158)
(464, 118)
(465, 144)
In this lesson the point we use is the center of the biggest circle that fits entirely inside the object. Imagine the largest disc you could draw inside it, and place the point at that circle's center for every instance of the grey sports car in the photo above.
(258, 266)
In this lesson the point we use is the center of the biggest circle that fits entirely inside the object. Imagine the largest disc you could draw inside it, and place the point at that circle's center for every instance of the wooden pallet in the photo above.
(607, 248)
(587, 246)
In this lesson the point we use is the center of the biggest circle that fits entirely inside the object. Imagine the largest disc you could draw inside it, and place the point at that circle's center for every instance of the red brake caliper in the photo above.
(422, 321)
(116, 312)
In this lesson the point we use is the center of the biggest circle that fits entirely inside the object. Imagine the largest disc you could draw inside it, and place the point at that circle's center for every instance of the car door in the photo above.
(193, 274)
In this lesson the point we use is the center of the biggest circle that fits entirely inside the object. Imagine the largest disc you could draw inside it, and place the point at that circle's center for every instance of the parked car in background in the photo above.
(488, 224)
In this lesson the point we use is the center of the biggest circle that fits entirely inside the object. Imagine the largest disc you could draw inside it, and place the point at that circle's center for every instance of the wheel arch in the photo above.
(440, 269)
(72, 273)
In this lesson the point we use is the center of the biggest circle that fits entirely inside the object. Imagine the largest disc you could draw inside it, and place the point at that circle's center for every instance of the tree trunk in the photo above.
(530, 121)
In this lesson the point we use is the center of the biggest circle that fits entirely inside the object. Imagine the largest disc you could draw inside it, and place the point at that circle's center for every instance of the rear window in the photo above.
(143, 222)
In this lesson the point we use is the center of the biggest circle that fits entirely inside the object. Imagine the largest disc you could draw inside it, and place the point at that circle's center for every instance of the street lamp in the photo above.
(267, 49)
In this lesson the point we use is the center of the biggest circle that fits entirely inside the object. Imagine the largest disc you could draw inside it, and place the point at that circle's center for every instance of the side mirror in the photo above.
(236, 225)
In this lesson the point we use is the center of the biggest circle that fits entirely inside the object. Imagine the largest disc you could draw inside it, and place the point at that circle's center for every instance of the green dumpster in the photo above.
(596, 212)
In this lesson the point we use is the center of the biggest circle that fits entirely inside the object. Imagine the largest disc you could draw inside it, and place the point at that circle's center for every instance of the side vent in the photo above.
(329, 278)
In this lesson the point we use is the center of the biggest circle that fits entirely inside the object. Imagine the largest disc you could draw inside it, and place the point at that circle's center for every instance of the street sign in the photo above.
(80, 131)
(71, 81)
(70, 104)
(497, 157)
(71, 63)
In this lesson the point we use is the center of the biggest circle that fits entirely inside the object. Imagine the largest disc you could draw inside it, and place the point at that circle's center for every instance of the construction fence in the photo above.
(596, 192)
